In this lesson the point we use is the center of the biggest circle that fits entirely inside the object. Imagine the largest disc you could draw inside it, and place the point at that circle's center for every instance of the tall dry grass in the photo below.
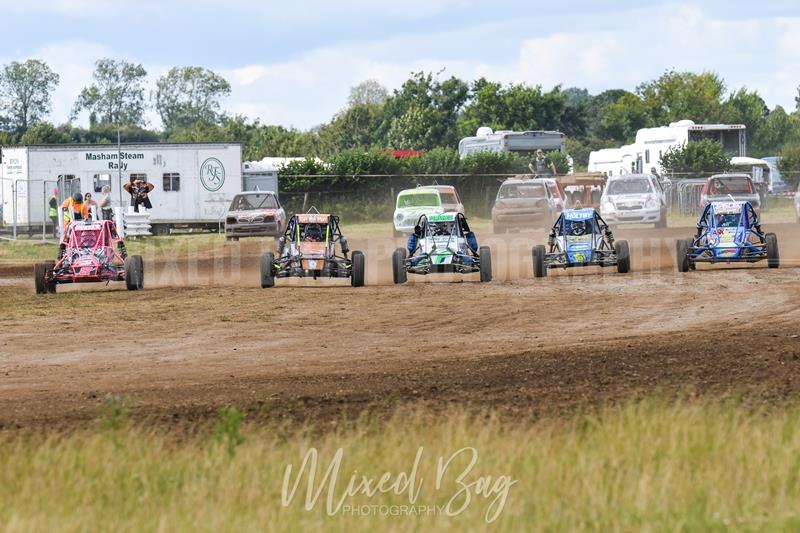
(652, 466)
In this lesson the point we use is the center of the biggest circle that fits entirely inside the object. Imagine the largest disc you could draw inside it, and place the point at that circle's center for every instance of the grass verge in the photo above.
(649, 465)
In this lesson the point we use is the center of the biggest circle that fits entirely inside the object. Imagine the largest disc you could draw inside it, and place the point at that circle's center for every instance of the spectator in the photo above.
(139, 191)
(542, 165)
(105, 203)
(90, 204)
(52, 212)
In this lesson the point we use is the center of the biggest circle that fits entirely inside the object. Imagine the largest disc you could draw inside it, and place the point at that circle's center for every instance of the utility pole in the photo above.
(119, 164)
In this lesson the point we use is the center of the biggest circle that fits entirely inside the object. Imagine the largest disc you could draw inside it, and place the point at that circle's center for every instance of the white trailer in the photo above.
(485, 140)
(645, 153)
(194, 182)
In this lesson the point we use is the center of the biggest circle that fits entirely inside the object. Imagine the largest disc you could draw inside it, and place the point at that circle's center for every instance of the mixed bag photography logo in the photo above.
(440, 485)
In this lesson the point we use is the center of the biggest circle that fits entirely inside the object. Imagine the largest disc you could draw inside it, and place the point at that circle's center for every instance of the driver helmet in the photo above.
(579, 227)
(313, 232)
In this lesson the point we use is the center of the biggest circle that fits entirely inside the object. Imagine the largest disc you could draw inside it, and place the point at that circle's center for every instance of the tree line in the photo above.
(428, 111)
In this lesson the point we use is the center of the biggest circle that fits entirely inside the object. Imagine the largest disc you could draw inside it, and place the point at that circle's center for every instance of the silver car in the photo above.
(633, 199)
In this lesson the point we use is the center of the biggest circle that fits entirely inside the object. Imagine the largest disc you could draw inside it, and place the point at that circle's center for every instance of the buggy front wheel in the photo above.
(485, 254)
(357, 275)
(539, 270)
(267, 275)
(623, 256)
(399, 273)
(773, 257)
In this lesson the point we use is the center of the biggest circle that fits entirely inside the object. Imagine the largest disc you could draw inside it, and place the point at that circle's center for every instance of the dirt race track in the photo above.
(203, 335)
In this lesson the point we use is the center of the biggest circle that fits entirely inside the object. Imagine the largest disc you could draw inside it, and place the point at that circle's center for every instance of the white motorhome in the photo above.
(644, 155)
(194, 182)
(486, 140)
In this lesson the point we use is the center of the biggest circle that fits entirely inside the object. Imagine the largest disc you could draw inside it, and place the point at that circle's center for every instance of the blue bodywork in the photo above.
(580, 237)
(728, 231)
(578, 228)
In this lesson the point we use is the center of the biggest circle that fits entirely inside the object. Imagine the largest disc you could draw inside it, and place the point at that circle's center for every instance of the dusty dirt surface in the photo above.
(203, 335)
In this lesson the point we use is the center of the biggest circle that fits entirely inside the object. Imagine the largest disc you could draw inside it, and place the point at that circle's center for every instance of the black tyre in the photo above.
(134, 273)
(40, 270)
(623, 256)
(140, 270)
(485, 254)
(773, 257)
(267, 270)
(682, 255)
(357, 276)
(399, 274)
(538, 253)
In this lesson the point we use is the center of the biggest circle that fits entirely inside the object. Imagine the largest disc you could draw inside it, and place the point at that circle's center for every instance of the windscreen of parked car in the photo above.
(418, 200)
(732, 185)
(521, 190)
(246, 202)
(448, 198)
(629, 186)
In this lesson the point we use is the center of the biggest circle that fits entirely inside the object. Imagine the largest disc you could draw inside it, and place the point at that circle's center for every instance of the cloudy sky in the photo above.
(292, 63)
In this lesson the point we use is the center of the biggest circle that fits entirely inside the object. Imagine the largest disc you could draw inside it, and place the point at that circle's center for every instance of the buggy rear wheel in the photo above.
(134, 273)
(682, 255)
(623, 257)
(267, 274)
(773, 257)
(539, 270)
(357, 275)
(399, 274)
(485, 254)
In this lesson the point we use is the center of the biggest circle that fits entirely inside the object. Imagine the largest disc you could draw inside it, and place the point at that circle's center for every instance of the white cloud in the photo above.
(615, 50)
(759, 54)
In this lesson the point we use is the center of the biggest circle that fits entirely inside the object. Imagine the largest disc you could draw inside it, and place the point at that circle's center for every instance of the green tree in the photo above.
(25, 92)
(422, 114)
(696, 159)
(748, 108)
(779, 129)
(45, 133)
(116, 96)
(623, 118)
(789, 164)
(368, 92)
(355, 127)
(186, 95)
(520, 108)
(683, 95)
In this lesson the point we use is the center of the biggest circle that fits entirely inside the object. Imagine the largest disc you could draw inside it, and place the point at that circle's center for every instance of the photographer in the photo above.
(139, 190)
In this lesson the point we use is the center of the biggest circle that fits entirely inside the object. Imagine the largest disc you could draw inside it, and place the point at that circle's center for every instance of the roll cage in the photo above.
(465, 260)
(603, 252)
(748, 229)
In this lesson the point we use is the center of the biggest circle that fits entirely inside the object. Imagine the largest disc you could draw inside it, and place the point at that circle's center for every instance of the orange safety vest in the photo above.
(69, 205)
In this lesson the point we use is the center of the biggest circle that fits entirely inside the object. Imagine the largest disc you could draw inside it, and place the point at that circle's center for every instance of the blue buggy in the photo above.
(580, 237)
(728, 232)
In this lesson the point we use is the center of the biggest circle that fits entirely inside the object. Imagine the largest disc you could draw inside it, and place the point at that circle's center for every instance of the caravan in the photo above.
(486, 140)
(644, 155)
